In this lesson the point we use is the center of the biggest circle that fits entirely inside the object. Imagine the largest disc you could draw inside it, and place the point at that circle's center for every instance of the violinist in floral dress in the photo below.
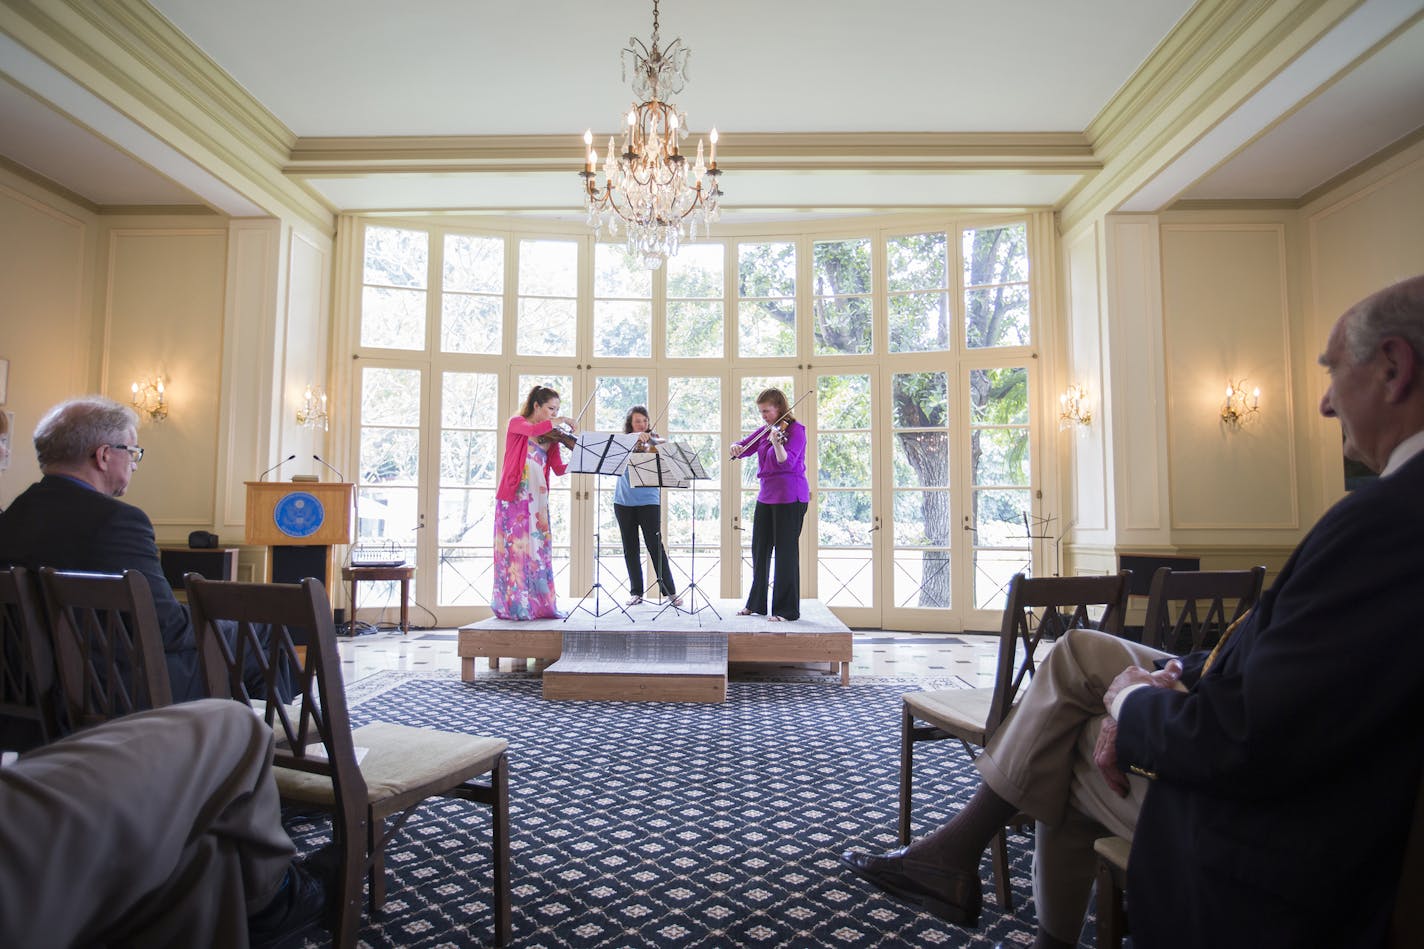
(523, 543)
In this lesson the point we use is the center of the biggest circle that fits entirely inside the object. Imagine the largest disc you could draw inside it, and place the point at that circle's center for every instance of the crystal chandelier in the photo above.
(649, 185)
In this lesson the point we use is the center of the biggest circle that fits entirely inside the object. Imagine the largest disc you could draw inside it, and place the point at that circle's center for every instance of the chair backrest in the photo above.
(1188, 610)
(1040, 608)
(27, 677)
(313, 732)
(107, 644)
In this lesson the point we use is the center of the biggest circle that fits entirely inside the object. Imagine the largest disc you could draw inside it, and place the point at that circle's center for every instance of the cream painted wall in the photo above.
(1135, 358)
(1226, 319)
(1360, 237)
(306, 335)
(47, 249)
(162, 304)
(1088, 480)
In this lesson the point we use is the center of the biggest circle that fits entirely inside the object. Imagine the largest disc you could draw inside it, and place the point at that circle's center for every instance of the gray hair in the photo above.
(1397, 310)
(71, 430)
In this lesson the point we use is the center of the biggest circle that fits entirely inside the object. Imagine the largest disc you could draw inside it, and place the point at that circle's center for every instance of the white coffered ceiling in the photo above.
(825, 107)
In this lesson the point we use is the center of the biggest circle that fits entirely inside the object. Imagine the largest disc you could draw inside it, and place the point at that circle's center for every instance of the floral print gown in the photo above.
(524, 547)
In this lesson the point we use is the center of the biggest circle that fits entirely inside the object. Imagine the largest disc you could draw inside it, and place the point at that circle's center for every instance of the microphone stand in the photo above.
(320, 461)
(279, 464)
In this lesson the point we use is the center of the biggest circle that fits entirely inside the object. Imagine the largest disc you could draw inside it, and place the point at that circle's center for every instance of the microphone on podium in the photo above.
(276, 466)
(320, 460)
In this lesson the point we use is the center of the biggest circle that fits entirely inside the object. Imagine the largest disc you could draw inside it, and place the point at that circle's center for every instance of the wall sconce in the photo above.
(312, 413)
(1073, 408)
(1239, 406)
(148, 399)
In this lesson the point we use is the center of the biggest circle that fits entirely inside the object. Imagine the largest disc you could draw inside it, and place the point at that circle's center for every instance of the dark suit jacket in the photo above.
(1286, 776)
(60, 523)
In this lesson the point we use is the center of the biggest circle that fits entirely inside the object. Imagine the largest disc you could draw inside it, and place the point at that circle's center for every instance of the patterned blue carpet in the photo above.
(643, 824)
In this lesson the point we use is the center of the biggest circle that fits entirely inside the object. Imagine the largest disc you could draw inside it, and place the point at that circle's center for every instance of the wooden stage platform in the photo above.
(672, 657)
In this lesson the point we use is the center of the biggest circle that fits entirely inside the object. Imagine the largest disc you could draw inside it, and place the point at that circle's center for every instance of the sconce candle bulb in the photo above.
(1239, 406)
(1073, 408)
(312, 413)
(148, 398)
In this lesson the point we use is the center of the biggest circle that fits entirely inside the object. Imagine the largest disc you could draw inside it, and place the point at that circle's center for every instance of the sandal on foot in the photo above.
(634, 600)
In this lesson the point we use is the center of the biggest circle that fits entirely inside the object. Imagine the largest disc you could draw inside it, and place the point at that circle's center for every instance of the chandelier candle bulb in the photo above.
(650, 187)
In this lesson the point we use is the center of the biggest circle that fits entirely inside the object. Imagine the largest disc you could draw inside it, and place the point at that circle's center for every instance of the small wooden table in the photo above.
(403, 573)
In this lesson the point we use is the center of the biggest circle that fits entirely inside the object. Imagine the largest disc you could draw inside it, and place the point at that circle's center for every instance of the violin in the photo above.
(649, 441)
(559, 435)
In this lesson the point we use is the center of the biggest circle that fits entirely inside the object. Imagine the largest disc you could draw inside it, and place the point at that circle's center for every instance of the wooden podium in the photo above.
(298, 521)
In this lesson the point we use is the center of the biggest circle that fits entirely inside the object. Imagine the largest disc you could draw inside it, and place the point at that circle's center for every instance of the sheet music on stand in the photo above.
(604, 453)
(689, 460)
(663, 468)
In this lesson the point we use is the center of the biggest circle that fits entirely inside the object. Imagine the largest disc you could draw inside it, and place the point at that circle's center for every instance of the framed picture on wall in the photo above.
(4, 379)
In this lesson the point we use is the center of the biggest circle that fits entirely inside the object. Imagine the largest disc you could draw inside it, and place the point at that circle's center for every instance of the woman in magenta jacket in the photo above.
(523, 544)
(780, 507)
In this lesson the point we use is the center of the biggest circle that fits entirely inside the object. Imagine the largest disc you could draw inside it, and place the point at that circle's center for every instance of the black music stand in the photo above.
(681, 468)
(600, 453)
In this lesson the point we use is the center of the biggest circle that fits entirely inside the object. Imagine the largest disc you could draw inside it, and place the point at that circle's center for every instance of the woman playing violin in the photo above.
(780, 447)
(523, 544)
(640, 509)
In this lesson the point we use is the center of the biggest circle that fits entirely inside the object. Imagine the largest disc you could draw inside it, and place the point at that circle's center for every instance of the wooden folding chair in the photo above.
(27, 678)
(107, 645)
(1038, 609)
(1187, 611)
(379, 771)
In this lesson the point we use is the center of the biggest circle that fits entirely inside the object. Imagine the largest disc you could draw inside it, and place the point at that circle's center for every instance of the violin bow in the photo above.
(766, 429)
(652, 426)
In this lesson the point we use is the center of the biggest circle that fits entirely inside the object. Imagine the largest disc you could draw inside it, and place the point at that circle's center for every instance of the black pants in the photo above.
(648, 517)
(776, 531)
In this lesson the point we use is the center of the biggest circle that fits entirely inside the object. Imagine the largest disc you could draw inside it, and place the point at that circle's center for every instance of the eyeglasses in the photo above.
(135, 452)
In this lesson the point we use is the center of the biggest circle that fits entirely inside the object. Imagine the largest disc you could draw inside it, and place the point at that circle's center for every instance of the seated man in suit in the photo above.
(72, 519)
(162, 828)
(1271, 783)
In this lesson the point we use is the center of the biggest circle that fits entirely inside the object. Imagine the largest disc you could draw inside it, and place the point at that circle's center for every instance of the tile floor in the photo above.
(970, 656)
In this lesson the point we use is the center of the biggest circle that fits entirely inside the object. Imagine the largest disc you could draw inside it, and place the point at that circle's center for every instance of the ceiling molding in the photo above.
(1224, 57)
(149, 38)
(1054, 152)
(151, 210)
(1175, 63)
(124, 53)
(48, 184)
(1369, 164)
(1235, 204)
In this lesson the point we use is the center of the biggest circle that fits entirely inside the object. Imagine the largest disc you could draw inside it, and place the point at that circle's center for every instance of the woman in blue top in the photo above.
(640, 508)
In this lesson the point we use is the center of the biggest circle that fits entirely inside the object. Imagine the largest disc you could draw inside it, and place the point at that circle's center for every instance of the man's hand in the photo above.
(1164, 678)
(1105, 757)
(1105, 751)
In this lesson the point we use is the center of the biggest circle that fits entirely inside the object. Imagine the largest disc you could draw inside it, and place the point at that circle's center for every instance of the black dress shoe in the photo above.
(300, 905)
(949, 895)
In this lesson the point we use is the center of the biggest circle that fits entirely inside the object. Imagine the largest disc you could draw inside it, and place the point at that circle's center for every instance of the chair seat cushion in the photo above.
(961, 712)
(1114, 850)
(400, 759)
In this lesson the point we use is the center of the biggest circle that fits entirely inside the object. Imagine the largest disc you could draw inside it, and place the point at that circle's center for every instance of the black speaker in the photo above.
(202, 540)
(293, 564)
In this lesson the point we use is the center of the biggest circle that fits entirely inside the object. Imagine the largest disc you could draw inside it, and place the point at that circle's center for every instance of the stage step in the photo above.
(639, 667)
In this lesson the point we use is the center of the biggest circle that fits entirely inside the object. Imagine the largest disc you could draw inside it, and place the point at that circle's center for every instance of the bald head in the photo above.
(1397, 310)
(1375, 356)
